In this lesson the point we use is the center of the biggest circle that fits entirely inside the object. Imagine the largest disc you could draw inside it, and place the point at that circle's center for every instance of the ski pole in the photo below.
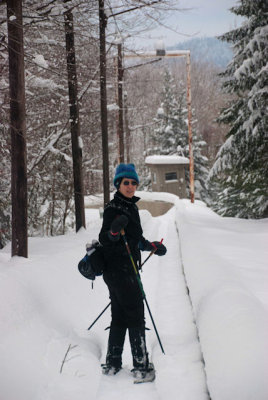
(141, 287)
(152, 252)
(103, 311)
(133, 263)
(93, 323)
(159, 341)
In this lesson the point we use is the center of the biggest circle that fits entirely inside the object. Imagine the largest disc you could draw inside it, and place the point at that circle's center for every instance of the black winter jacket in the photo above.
(115, 252)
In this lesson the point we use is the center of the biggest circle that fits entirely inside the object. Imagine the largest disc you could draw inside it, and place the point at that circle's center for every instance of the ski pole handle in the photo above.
(154, 250)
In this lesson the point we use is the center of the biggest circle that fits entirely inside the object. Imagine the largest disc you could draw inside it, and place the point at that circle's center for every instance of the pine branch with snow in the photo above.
(241, 165)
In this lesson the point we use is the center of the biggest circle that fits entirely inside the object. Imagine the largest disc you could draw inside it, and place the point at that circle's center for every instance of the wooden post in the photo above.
(190, 136)
(103, 103)
(75, 125)
(17, 129)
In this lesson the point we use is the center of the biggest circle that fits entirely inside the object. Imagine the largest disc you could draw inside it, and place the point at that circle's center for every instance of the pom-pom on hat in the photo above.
(125, 171)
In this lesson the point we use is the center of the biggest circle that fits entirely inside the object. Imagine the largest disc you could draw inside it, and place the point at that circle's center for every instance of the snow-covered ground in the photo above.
(47, 306)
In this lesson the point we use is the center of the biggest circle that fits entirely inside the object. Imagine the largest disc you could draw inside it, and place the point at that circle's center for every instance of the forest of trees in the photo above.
(239, 177)
(154, 93)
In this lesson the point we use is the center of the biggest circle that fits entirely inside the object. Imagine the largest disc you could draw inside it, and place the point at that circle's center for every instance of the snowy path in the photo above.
(53, 306)
(180, 373)
(47, 306)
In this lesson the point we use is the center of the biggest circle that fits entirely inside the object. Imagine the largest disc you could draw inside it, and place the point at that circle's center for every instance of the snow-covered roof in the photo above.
(166, 160)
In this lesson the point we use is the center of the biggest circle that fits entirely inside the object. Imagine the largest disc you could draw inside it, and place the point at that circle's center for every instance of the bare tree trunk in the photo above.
(127, 129)
(103, 103)
(75, 126)
(120, 125)
(17, 129)
(53, 200)
(66, 208)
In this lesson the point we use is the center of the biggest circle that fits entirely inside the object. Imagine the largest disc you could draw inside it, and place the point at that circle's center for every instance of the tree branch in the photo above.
(136, 8)
(70, 347)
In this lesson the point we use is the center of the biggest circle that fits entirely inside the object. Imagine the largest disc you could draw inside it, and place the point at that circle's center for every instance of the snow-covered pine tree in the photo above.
(171, 133)
(238, 177)
(171, 122)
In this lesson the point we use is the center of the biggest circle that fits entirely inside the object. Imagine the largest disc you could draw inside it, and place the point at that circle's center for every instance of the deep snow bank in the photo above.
(41, 313)
(47, 305)
(232, 319)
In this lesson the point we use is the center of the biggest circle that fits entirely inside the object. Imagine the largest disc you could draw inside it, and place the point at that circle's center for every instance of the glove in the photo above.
(119, 223)
(160, 248)
(116, 226)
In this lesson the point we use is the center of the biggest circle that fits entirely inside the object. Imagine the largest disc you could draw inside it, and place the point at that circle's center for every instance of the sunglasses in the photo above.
(133, 183)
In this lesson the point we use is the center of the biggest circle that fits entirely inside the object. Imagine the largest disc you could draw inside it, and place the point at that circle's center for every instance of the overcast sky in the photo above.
(206, 18)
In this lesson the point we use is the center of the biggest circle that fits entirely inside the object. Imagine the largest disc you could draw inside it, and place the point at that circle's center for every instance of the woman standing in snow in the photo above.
(120, 277)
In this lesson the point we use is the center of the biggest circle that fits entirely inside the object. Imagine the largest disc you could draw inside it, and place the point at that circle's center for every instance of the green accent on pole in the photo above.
(133, 263)
(140, 286)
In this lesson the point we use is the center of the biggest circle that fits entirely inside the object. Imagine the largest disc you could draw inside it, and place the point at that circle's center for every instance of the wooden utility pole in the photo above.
(17, 129)
(190, 136)
(75, 125)
(172, 54)
(120, 124)
(103, 103)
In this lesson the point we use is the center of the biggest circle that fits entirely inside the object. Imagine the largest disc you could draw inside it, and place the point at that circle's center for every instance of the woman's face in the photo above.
(128, 187)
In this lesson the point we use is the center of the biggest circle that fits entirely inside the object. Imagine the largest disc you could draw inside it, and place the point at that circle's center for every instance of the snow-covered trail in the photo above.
(48, 306)
(180, 372)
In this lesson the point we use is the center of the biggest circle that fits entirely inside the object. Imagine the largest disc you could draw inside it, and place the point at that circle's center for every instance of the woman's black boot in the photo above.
(115, 350)
(138, 348)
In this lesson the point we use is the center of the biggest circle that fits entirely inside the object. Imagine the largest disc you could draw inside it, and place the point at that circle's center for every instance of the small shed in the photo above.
(168, 174)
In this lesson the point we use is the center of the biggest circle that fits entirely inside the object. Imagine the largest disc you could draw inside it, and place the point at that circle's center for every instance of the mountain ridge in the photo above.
(209, 49)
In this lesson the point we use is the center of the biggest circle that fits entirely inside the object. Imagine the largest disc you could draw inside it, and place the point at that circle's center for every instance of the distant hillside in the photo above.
(208, 49)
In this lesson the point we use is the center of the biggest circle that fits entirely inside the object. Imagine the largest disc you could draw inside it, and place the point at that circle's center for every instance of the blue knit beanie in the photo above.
(125, 171)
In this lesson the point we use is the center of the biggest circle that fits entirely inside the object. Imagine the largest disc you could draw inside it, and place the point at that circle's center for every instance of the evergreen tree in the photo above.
(171, 134)
(171, 122)
(238, 179)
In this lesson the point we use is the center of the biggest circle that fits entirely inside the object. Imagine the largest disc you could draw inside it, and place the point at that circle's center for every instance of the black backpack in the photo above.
(93, 264)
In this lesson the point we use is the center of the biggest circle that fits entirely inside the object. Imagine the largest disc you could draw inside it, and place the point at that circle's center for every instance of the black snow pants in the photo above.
(127, 313)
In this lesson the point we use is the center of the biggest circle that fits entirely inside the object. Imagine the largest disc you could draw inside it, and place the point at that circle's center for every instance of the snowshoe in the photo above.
(108, 369)
(144, 375)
